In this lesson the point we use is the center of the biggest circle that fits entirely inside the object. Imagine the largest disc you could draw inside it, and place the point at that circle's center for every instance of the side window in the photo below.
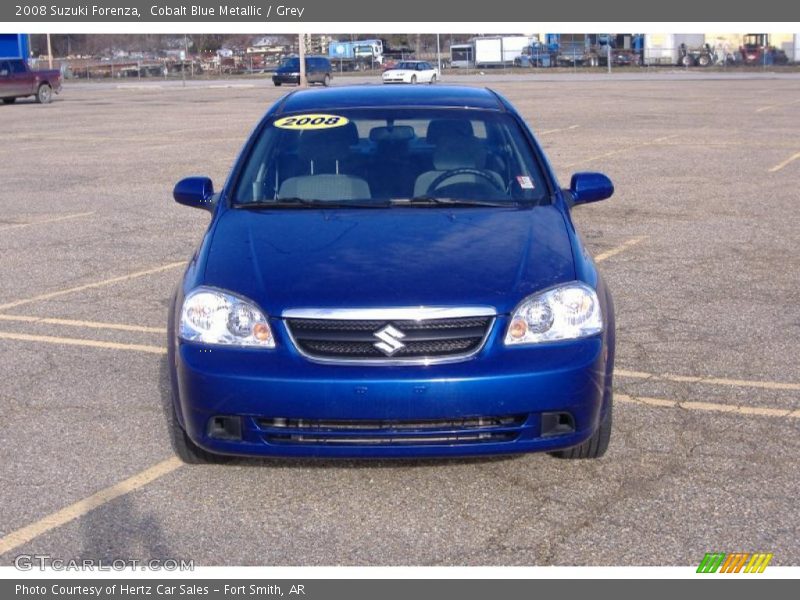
(17, 66)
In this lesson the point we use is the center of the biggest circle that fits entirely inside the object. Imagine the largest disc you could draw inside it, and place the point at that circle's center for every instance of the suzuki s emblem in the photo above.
(389, 340)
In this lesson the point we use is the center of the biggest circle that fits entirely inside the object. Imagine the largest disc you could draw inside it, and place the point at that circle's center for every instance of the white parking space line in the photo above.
(771, 106)
(17, 538)
(46, 221)
(549, 131)
(784, 163)
(767, 385)
(621, 150)
(621, 248)
(88, 286)
(80, 323)
(62, 341)
(741, 410)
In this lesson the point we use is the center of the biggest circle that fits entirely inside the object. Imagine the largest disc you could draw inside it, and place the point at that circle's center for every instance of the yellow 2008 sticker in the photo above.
(311, 122)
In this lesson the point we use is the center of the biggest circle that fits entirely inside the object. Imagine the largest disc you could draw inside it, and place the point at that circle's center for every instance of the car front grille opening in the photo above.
(467, 430)
(410, 340)
(557, 423)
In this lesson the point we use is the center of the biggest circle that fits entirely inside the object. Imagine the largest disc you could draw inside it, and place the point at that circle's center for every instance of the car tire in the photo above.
(189, 452)
(687, 61)
(413, 80)
(595, 446)
(44, 94)
(277, 83)
(9, 100)
(704, 60)
(327, 80)
(433, 79)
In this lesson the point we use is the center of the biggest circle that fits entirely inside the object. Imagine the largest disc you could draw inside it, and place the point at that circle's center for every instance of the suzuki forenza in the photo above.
(391, 272)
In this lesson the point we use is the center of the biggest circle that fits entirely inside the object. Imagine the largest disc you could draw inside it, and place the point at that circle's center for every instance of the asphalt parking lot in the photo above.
(701, 246)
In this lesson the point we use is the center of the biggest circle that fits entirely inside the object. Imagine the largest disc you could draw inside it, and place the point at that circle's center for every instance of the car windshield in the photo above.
(291, 63)
(376, 156)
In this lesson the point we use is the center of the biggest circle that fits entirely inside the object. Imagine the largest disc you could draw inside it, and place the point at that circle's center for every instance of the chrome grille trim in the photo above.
(390, 315)
(405, 313)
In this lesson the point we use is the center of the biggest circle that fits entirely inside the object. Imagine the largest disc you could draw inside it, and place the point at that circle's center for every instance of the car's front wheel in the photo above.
(413, 79)
(595, 446)
(188, 451)
(433, 79)
(326, 81)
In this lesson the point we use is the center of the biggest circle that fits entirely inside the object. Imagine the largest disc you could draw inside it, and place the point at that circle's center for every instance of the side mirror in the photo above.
(197, 192)
(590, 187)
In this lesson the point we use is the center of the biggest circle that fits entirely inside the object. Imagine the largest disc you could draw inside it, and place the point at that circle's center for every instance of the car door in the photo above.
(6, 81)
(20, 85)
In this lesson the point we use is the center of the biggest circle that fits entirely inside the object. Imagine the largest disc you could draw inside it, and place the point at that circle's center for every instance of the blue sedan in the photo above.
(391, 272)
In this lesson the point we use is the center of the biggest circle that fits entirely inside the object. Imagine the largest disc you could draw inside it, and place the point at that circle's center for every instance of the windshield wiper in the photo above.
(295, 202)
(434, 201)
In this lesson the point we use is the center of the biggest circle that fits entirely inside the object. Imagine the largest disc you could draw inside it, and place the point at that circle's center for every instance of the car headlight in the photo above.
(212, 316)
(567, 312)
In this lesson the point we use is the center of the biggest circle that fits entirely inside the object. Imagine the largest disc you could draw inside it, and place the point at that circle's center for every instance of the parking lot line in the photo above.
(549, 131)
(771, 106)
(17, 538)
(621, 248)
(46, 221)
(710, 406)
(87, 286)
(47, 339)
(86, 324)
(789, 160)
(621, 150)
(768, 385)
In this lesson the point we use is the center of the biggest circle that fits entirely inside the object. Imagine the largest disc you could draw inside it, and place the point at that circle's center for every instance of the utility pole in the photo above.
(184, 57)
(301, 51)
(49, 53)
(438, 54)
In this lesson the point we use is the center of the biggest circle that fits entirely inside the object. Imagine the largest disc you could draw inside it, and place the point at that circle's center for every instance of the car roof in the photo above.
(376, 96)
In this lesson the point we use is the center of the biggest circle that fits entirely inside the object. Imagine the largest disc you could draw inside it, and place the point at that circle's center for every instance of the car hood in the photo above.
(365, 258)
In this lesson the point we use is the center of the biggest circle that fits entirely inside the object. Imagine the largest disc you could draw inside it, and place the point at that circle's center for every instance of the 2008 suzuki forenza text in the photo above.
(391, 272)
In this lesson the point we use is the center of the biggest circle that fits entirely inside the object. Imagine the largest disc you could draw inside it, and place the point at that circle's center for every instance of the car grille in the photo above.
(468, 430)
(419, 341)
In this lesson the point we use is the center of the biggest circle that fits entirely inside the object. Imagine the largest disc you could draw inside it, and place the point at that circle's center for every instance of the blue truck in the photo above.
(356, 55)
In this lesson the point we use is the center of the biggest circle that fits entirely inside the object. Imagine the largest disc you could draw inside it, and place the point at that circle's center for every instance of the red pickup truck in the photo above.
(18, 81)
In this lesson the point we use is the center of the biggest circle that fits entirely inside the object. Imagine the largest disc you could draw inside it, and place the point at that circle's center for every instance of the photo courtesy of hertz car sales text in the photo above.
(391, 272)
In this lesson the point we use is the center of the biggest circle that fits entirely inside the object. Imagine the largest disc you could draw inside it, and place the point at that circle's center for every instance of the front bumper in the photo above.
(278, 78)
(491, 404)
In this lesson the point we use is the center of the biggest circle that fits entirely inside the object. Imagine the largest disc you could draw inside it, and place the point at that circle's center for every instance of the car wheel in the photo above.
(277, 83)
(595, 446)
(687, 61)
(326, 81)
(44, 94)
(704, 60)
(433, 79)
(189, 452)
(413, 79)
(9, 100)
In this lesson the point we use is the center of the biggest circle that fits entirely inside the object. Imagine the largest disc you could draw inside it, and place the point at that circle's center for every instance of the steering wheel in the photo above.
(436, 183)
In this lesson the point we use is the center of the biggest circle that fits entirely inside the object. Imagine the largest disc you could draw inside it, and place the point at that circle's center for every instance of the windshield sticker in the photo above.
(525, 182)
(311, 122)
